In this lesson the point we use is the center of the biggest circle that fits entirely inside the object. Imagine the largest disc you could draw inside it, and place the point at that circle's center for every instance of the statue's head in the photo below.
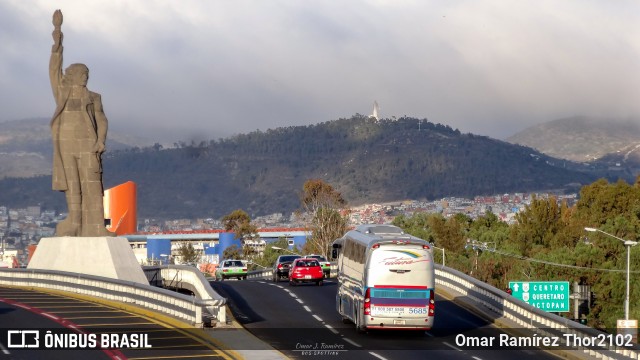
(77, 74)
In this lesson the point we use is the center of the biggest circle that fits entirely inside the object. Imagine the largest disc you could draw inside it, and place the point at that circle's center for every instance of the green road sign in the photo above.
(552, 296)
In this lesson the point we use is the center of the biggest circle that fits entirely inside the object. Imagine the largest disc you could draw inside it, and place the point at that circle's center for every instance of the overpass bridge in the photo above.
(495, 304)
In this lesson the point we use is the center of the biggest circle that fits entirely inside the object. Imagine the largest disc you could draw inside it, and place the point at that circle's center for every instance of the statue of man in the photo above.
(79, 131)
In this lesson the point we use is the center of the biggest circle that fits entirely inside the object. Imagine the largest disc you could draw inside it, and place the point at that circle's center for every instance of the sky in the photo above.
(207, 69)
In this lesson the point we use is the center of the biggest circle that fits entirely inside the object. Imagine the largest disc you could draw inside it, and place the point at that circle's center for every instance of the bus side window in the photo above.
(347, 250)
(361, 253)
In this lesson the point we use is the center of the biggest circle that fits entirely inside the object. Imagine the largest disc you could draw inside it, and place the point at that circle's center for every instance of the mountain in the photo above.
(365, 159)
(26, 150)
(583, 138)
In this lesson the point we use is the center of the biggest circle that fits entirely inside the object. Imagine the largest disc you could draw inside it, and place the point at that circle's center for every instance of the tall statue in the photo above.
(79, 131)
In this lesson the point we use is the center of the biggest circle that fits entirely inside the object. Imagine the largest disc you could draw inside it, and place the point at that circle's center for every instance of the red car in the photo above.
(305, 270)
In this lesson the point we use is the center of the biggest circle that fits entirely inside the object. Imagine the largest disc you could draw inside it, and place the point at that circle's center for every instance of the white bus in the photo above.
(386, 279)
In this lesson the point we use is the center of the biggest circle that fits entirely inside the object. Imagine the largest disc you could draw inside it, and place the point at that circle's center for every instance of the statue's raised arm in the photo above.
(55, 63)
(57, 33)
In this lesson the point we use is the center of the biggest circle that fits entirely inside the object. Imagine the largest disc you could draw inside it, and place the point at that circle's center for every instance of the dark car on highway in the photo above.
(282, 265)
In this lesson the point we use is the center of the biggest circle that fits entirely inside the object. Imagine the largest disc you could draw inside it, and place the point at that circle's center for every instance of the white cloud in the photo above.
(491, 67)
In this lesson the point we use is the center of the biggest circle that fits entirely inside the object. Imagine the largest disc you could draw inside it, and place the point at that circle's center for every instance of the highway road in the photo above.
(38, 311)
(302, 323)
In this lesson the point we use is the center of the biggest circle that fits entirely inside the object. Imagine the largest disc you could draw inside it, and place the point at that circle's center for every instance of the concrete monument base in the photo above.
(110, 257)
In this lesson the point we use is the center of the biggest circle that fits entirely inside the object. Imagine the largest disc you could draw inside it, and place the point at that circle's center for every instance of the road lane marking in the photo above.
(331, 329)
(178, 346)
(351, 342)
(317, 317)
(27, 297)
(300, 301)
(115, 354)
(307, 308)
(102, 317)
(50, 316)
(475, 357)
(378, 356)
(53, 301)
(83, 311)
(119, 324)
(135, 331)
(4, 351)
(173, 357)
(75, 306)
(451, 346)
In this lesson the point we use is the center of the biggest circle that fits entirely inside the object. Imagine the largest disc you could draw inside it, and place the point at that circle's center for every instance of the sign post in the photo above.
(551, 296)
(628, 327)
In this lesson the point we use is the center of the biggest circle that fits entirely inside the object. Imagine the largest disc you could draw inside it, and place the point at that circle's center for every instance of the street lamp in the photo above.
(478, 245)
(287, 250)
(628, 244)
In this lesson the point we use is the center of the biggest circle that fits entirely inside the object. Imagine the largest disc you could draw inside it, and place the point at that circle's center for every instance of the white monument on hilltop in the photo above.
(376, 110)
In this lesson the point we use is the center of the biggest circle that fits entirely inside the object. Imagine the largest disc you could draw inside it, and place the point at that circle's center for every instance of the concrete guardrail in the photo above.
(207, 306)
(195, 310)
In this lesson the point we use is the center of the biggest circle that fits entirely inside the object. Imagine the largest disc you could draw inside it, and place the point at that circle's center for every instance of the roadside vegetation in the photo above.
(548, 242)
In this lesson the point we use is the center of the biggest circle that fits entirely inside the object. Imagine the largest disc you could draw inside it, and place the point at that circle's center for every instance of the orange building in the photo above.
(120, 209)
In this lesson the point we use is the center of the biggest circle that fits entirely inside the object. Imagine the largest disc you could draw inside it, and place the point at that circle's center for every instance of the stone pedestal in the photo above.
(110, 257)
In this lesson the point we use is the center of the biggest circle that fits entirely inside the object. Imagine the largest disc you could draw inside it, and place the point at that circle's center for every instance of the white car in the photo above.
(231, 269)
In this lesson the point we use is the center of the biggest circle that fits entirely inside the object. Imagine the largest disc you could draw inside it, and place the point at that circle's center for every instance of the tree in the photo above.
(188, 254)
(270, 254)
(416, 225)
(239, 222)
(538, 225)
(232, 252)
(324, 205)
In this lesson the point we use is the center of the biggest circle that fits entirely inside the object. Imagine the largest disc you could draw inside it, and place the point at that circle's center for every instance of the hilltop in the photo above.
(26, 150)
(582, 138)
(365, 159)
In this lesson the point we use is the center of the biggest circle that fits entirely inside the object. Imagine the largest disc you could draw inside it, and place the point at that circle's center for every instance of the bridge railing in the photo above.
(485, 298)
(192, 279)
(497, 304)
(187, 308)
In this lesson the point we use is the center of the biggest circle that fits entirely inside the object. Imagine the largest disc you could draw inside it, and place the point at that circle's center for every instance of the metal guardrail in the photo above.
(501, 304)
(498, 304)
(207, 306)
(190, 278)
(484, 297)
